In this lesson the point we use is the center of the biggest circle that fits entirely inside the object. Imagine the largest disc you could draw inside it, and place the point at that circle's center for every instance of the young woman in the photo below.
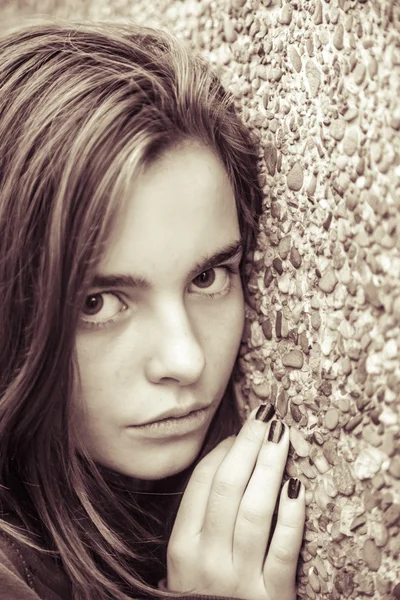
(129, 200)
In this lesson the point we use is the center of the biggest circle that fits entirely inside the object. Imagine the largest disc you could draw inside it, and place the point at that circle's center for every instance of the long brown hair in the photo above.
(83, 107)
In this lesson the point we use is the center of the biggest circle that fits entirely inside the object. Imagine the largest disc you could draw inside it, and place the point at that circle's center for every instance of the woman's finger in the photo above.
(255, 513)
(281, 562)
(193, 505)
(229, 484)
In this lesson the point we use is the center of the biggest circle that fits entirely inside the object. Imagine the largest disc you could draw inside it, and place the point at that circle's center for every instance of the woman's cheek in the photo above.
(226, 328)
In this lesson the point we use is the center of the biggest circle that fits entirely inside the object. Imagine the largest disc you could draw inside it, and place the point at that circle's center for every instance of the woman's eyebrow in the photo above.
(230, 251)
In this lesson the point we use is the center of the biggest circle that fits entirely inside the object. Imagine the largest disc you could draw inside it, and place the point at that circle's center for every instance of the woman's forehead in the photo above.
(177, 211)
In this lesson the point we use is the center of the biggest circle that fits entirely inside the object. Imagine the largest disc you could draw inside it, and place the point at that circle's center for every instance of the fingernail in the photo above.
(293, 488)
(276, 432)
(265, 412)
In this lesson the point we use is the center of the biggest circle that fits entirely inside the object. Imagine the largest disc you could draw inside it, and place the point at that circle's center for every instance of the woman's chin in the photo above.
(158, 463)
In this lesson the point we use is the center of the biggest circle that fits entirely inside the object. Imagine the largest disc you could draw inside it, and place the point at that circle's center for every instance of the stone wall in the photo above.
(319, 83)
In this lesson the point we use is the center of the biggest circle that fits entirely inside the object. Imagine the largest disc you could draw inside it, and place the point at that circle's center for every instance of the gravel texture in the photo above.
(319, 83)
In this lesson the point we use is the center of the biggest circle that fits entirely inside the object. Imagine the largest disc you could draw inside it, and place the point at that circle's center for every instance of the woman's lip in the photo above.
(192, 412)
(173, 426)
(173, 414)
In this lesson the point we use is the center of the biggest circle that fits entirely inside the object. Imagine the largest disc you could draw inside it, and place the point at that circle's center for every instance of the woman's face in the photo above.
(152, 336)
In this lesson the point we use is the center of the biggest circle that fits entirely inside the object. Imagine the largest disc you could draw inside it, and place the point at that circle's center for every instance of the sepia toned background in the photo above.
(319, 83)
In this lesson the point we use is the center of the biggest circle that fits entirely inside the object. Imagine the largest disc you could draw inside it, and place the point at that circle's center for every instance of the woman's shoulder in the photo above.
(26, 574)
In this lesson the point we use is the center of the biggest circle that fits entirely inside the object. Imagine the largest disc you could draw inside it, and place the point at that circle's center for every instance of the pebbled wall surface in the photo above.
(319, 82)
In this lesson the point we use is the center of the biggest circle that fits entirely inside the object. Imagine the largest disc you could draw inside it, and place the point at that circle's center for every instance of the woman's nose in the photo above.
(176, 353)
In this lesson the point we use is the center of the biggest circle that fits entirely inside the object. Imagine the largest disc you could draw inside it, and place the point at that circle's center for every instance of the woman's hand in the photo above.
(219, 541)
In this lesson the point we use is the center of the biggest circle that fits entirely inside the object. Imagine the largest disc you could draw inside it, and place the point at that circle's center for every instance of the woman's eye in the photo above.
(101, 308)
(215, 280)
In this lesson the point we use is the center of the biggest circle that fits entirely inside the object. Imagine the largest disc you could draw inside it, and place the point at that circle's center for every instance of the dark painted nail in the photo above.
(276, 432)
(265, 412)
(293, 488)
